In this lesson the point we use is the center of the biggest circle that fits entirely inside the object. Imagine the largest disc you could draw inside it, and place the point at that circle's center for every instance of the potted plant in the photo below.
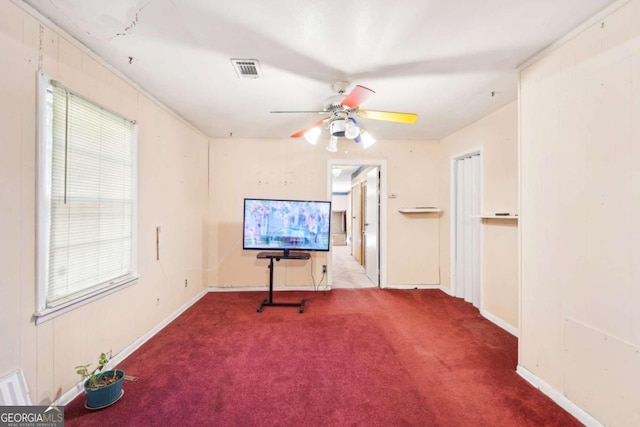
(101, 388)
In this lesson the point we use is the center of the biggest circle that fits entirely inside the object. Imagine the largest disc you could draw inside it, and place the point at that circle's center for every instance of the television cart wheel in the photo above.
(268, 302)
(262, 304)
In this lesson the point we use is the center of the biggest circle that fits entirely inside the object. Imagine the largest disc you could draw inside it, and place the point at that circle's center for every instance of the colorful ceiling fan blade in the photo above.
(301, 132)
(357, 96)
(388, 116)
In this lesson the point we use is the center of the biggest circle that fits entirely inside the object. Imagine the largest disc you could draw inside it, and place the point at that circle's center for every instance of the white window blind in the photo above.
(90, 196)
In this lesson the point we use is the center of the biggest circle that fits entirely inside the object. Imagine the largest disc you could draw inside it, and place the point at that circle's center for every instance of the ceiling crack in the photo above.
(135, 21)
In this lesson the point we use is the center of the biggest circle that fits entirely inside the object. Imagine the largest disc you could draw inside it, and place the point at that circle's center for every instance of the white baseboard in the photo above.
(266, 288)
(504, 325)
(446, 290)
(79, 388)
(582, 416)
(412, 287)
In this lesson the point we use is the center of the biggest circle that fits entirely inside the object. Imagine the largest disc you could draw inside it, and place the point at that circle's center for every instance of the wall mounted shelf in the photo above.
(419, 210)
(496, 216)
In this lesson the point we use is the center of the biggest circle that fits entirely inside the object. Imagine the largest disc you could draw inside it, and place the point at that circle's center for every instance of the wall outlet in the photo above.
(324, 268)
(186, 283)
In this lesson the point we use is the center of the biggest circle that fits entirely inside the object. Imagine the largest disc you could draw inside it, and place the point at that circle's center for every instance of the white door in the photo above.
(356, 237)
(467, 175)
(371, 227)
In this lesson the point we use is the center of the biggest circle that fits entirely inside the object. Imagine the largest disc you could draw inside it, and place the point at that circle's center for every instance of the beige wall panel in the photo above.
(413, 239)
(609, 166)
(580, 192)
(11, 28)
(539, 231)
(298, 272)
(413, 176)
(212, 258)
(120, 96)
(78, 338)
(634, 195)
(500, 180)
(28, 333)
(70, 68)
(41, 377)
(31, 44)
(414, 250)
(500, 269)
(595, 360)
(620, 31)
(173, 197)
(93, 84)
(184, 190)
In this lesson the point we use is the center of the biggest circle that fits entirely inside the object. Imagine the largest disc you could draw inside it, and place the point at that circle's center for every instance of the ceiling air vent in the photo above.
(247, 68)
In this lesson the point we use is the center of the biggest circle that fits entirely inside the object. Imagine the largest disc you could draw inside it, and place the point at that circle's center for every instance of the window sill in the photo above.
(51, 313)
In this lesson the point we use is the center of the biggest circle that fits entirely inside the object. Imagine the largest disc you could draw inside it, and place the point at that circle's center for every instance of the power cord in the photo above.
(316, 287)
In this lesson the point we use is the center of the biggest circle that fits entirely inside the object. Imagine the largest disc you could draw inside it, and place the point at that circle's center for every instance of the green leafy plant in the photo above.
(96, 380)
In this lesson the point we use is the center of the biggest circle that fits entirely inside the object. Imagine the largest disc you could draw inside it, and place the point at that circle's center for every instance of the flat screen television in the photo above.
(287, 225)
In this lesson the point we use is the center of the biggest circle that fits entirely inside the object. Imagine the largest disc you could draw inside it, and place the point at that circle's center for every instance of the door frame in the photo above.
(452, 217)
(382, 238)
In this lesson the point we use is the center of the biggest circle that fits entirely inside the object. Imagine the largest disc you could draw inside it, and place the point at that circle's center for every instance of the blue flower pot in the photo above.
(104, 396)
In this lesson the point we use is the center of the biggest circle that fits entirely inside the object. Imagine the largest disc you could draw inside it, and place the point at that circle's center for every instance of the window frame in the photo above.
(43, 207)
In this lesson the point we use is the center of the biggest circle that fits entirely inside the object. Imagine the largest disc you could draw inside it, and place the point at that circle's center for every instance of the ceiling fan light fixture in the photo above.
(341, 112)
(351, 130)
(366, 139)
(332, 146)
(312, 135)
(337, 127)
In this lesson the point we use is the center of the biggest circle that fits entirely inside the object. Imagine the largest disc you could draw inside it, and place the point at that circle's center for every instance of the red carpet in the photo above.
(365, 357)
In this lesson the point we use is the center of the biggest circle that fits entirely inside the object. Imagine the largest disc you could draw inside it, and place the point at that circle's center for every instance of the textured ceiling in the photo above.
(451, 62)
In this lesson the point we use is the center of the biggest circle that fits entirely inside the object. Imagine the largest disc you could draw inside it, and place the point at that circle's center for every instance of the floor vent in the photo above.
(13, 390)
(247, 68)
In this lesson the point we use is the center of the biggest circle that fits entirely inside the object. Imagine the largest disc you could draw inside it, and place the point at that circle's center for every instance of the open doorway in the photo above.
(358, 254)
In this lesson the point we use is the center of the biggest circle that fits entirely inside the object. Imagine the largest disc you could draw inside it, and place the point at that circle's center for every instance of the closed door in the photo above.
(467, 176)
(356, 223)
(371, 224)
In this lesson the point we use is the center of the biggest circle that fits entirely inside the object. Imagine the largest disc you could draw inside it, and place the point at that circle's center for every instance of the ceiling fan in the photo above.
(341, 112)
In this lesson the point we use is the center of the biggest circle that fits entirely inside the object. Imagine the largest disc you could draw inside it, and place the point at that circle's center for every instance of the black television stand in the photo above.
(268, 302)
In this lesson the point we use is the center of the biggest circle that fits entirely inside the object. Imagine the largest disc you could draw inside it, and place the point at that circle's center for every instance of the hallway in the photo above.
(347, 273)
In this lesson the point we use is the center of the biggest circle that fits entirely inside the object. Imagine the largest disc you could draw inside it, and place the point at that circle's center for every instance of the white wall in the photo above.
(580, 205)
(340, 202)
